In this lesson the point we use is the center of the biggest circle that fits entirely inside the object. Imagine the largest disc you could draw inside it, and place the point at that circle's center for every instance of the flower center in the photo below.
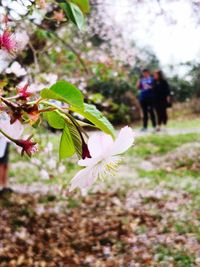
(108, 167)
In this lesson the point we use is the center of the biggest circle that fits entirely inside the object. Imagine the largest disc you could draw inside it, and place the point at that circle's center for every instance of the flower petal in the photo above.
(89, 162)
(83, 179)
(124, 141)
(3, 144)
(14, 130)
(99, 143)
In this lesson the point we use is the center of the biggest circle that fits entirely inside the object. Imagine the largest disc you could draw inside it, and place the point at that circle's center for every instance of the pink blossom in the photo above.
(23, 92)
(7, 42)
(29, 147)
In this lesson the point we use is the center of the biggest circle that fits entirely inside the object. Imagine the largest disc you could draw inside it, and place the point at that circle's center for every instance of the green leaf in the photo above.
(83, 4)
(55, 120)
(76, 138)
(66, 144)
(74, 13)
(70, 135)
(64, 92)
(91, 113)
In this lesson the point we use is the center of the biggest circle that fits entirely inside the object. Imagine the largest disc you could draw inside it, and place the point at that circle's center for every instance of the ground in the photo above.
(148, 215)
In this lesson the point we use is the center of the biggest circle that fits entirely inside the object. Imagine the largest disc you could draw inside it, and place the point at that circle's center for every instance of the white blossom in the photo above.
(104, 159)
(17, 69)
(44, 175)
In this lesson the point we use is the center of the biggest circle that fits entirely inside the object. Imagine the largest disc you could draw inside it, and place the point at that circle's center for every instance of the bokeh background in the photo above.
(148, 214)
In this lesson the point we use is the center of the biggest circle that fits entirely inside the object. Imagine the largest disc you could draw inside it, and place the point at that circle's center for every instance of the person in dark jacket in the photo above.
(161, 98)
(146, 98)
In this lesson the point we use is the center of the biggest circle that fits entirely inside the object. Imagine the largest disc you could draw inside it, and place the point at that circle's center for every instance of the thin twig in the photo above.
(67, 45)
(34, 56)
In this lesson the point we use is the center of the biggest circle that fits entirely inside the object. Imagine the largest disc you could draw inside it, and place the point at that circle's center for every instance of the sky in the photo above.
(173, 37)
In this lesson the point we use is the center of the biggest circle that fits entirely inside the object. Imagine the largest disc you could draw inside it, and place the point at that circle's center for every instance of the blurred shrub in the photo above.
(116, 99)
(186, 88)
(181, 90)
(185, 110)
(195, 106)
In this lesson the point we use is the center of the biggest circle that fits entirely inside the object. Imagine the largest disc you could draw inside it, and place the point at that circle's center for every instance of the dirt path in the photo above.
(169, 131)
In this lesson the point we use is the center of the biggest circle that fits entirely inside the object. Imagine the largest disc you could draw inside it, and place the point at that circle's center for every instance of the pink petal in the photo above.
(99, 143)
(7, 41)
(124, 141)
(83, 179)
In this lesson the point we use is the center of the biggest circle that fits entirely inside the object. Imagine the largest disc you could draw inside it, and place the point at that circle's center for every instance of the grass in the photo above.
(163, 175)
(185, 124)
(31, 175)
(180, 258)
(179, 123)
(25, 171)
(147, 146)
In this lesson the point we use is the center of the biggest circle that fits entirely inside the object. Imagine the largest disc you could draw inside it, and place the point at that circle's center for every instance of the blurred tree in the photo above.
(181, 89)
(195, 74)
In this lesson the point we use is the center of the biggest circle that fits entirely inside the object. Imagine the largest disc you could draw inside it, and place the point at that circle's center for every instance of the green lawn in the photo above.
(179, 123)
(160, 144)
(185, 124)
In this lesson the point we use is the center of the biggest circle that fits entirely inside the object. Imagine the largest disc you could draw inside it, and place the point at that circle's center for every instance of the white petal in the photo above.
(89, 162)
(124, 141)
(14, 130)
(99, 143)
(83, 179)
(16, 69)
(3, 144)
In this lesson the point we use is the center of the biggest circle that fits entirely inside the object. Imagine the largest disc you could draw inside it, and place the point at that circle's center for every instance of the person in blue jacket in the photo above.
(146, 98)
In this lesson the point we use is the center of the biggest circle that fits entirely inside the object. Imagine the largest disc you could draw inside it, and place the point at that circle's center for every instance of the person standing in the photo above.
(146, 98)
(161, 97)
(4, 147)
